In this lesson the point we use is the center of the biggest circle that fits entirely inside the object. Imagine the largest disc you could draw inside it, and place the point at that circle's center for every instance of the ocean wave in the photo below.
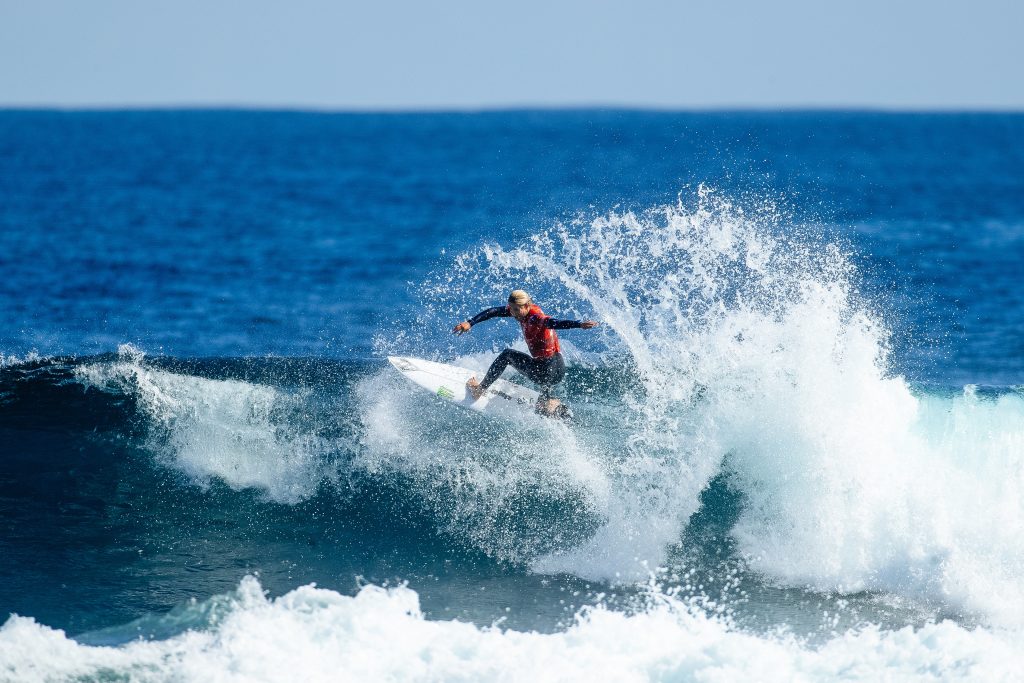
(735, 351)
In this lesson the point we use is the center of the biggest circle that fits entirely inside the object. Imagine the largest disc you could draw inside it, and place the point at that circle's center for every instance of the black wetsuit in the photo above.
(546, 372)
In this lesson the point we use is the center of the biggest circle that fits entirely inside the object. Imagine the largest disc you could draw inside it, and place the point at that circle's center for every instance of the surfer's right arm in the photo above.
(496, 312)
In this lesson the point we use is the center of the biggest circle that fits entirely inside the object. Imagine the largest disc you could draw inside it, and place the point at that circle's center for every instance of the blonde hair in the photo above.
(519, 297)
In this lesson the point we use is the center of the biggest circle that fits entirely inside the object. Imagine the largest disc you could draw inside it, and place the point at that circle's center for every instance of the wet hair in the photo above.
(519, 297)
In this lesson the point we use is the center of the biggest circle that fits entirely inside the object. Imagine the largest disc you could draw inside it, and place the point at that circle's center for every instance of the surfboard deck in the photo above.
(448, 382)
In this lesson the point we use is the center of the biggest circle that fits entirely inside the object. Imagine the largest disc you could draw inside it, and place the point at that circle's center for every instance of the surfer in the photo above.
(544, 365)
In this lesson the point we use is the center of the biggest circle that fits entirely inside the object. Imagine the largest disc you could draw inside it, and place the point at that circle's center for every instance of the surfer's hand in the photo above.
(588, 324)
(461, 328)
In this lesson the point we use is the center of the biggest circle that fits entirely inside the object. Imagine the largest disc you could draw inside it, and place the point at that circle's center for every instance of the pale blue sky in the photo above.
(475, 54)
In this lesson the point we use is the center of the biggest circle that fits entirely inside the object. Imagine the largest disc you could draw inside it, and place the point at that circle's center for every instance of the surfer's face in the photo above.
(519, 311)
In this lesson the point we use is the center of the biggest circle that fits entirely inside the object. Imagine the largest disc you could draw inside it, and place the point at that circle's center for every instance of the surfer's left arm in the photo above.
(556, 324)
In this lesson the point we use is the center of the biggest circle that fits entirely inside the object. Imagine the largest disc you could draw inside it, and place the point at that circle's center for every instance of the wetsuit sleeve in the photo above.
(496, 312)
(556, 324)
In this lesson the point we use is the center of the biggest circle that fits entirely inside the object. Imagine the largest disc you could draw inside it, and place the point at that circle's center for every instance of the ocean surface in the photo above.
(798, 450)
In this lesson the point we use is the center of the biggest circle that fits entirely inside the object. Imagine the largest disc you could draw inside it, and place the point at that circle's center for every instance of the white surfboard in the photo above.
(449, 382)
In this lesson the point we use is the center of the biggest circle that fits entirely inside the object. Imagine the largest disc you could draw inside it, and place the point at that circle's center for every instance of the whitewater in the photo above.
(318, 635)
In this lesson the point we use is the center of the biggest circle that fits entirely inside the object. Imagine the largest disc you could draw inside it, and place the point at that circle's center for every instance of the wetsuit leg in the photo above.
(546, 372)
(517, 359)
(551, 371)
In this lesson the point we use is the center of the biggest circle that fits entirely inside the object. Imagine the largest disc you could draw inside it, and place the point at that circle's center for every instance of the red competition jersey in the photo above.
(542, 340)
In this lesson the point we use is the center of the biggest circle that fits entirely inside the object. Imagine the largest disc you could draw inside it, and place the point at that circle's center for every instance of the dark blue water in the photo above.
(260, 264)
(255, 233)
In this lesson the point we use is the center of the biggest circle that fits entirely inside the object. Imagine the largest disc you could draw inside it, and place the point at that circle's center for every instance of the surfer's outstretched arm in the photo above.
(555, 324)
(487, 314)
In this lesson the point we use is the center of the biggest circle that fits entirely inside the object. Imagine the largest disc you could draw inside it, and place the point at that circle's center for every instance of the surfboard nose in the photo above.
(401, 363)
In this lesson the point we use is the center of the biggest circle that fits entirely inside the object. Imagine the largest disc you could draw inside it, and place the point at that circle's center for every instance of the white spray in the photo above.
(757, 358)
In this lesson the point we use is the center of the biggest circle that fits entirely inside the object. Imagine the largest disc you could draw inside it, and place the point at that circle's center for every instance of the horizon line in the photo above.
(513, 108)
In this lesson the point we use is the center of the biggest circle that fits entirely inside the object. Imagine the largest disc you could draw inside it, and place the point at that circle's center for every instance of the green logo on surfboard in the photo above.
(445, 392)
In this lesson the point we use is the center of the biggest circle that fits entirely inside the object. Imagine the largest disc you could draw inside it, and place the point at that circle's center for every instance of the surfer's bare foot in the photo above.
(474, 388)
(553, 408)
(547, 407)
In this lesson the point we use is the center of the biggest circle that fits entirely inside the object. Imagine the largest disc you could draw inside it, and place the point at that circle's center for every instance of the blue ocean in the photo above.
(798, 445)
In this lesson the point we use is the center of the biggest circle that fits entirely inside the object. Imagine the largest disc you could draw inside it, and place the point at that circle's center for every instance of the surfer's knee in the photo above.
(504, 359)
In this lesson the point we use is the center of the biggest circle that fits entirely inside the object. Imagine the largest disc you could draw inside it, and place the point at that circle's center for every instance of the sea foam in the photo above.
(314, 634)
